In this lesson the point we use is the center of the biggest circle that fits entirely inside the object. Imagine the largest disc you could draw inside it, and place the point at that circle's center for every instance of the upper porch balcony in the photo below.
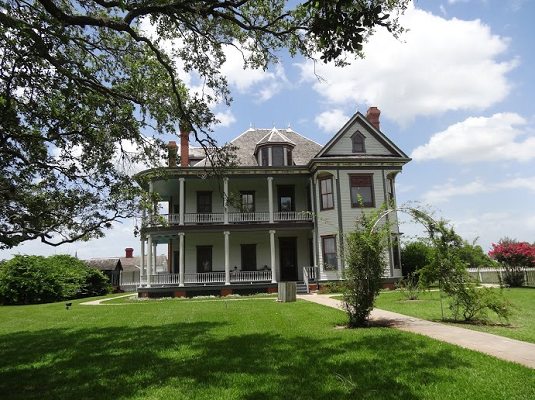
(228, 218)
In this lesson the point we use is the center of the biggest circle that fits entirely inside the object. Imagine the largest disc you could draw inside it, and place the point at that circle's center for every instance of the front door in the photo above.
(288, 259)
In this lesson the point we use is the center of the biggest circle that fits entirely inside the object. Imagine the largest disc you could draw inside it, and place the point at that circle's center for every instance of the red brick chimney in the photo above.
(172, 149)
(129, 252)
(184, 147)
(373, 116)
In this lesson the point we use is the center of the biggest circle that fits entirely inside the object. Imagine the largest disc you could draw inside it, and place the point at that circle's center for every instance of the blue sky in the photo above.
(456, 93)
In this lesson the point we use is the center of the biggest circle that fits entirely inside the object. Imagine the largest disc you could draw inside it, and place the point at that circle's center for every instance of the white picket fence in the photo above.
(495, 275)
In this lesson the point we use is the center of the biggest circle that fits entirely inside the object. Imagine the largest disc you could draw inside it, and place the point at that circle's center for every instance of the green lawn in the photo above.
(235, 349)
(521, 324)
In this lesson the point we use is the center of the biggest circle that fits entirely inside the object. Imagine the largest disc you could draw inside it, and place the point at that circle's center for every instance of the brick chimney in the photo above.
(172, 150)
(184, 146)
(129, 252)
(373, 116)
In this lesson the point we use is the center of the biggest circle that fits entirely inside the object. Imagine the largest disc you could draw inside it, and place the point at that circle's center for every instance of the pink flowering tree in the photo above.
(514, 257)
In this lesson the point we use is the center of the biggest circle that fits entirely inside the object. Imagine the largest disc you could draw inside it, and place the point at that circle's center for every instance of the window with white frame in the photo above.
(326, 193)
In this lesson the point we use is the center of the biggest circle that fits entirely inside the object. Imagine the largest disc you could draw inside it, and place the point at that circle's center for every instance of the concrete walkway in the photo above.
(494, 345)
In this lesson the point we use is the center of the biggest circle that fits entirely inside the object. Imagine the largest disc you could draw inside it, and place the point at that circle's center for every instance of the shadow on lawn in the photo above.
(193, 360)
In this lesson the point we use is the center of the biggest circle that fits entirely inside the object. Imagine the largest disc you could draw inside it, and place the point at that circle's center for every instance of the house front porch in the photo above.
(216, 283)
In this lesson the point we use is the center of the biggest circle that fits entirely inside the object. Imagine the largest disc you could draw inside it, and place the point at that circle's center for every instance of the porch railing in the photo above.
(234, 217)
(292, 216)
(204, 218)
(208, 277)
(248, 217)
(309, 274)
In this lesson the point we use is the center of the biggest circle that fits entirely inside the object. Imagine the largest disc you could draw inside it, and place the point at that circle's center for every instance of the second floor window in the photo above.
(247, 201)
(286, 198)
(204, 202)
(361, 190)
(326, 192)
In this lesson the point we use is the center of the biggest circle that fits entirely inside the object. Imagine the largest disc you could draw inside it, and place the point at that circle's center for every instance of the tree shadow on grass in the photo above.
(194, 360)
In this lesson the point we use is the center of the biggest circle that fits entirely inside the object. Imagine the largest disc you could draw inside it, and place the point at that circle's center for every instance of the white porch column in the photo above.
(181, 259)
(181, 200)
(149, 258)
(227, 257)
(152, 213)
(272, 252)
(270, 198)
(142, 259)
(225, 200)
(314, 248)
(154, 254)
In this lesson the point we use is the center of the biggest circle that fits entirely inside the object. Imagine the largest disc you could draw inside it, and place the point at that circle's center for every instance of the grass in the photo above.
(521, 324)
(257, 349)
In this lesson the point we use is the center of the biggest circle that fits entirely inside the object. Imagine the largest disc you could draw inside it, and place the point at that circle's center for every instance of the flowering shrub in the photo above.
(514, 257)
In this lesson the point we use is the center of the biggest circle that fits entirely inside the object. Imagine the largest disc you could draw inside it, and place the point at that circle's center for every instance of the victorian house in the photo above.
(279, 215)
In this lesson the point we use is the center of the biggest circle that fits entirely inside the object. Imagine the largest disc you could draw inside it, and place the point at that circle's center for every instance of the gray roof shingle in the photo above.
(245, 144)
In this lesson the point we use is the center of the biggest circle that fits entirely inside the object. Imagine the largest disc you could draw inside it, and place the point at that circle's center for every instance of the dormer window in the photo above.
(278, 155)
(358, 142)
(275, 155)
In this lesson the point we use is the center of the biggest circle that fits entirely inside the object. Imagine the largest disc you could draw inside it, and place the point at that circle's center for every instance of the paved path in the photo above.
(494, 345)
(98, 302)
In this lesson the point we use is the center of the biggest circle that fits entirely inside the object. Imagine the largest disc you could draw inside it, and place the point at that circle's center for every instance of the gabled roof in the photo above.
(121, 263)
(275, 136)
(391, 150)
(134, 263)
(105, 264)
(245, 144)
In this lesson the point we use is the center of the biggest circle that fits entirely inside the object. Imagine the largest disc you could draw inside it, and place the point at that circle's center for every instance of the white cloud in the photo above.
(480, 139)
(443, 193)
(438, 65)
(226, 118)
(258, 83)
(331, 121)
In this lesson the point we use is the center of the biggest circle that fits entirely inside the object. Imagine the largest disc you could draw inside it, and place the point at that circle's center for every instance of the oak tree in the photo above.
(87, 88)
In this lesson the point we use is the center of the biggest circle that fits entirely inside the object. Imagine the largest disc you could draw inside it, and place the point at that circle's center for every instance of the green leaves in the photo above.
(36, 279)
(79, 79)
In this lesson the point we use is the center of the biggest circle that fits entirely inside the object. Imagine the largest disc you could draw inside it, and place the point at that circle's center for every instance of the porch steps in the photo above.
(301, 288)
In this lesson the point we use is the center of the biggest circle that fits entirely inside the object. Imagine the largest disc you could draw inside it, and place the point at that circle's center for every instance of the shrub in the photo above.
(36, 279)
(366, 249)
(473, 303)
(514, 257)
(331, 287)
(415, 256)
(409, 287)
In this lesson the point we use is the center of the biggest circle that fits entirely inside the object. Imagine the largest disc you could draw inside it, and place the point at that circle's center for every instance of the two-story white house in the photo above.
(279, 215)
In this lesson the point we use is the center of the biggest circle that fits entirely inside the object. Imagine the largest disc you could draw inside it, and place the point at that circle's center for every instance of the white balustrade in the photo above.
(203, 218)
(207, 277)
(248, 217)
(218, 218)
(293, 216)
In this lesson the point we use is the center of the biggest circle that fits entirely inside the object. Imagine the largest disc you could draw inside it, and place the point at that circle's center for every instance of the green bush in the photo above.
(474, 303)
(36, 279)
(331, 287)
(409, 287)
(415, 256)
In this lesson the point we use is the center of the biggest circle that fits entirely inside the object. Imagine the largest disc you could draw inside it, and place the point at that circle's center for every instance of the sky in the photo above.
(456, 94)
